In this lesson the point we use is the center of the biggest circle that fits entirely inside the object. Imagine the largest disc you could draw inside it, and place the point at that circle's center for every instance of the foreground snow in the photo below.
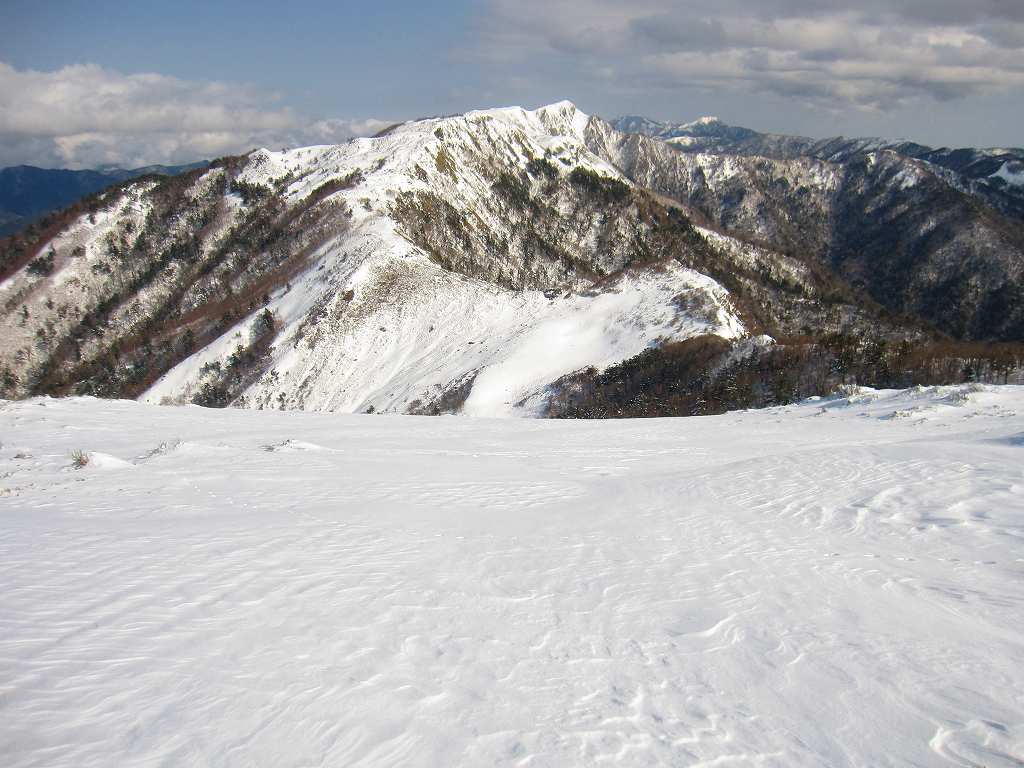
(835, 583)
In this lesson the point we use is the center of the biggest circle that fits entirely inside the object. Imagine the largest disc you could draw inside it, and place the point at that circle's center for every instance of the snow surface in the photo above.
(702, 121)
(1011, 173)
(836, 583)
(514, 342)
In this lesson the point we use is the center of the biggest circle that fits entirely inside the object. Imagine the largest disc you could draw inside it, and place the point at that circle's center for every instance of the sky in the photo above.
(85, 84)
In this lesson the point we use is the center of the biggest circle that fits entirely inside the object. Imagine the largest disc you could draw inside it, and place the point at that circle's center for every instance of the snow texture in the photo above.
(836, 583)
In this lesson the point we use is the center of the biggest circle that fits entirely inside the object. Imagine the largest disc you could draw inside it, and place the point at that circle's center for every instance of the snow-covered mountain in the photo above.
(995, 175)
(386, 273)
(937, 234)
(467, 263)
(707, 132)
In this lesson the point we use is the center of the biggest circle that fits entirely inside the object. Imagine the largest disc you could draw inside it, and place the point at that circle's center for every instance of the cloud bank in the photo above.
(874, 57)
(84, 116)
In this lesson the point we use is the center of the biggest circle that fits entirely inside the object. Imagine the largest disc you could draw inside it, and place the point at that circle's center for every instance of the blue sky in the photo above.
(136, 82)
(347, 58)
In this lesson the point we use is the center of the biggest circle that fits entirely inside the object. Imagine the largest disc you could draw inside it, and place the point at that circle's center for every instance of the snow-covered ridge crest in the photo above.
(413, 332)
(450, 264)
(465, 261)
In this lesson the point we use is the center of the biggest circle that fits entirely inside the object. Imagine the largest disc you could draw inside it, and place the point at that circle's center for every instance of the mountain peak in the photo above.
(697, 132)
(706, 120)
(559, 106)
(563, 117)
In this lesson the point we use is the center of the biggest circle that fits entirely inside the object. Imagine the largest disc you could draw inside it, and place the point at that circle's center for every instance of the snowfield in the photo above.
(836, 583)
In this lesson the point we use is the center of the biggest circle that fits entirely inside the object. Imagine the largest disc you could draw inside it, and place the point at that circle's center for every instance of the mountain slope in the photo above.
(919, 229)
(471, 264)
(384, 273)
(994, 175)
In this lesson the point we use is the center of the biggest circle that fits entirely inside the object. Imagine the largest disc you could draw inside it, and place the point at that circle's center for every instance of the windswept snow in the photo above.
(599, 330)
(836, 583)
(439, 328)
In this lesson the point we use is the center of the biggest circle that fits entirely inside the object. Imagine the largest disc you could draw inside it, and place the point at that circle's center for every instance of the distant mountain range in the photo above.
(541, 262)
(995, 174)
(27, 192)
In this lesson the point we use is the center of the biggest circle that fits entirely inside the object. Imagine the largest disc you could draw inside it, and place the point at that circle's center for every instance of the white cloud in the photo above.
(334, 130)
(85, 116)
(874, 56)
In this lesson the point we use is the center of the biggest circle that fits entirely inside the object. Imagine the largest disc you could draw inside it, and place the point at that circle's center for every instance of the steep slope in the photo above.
(995, 176)
(929, 233)
(388, 274)
(473, 264)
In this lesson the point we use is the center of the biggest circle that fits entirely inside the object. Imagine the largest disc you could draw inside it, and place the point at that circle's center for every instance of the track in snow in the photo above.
(836, 583)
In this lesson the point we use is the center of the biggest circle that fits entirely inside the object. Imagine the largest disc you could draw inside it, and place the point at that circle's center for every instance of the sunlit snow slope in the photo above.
(390, 273)
(411, 331)
(836, 583)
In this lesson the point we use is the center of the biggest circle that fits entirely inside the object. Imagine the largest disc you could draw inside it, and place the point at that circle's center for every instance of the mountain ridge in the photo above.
(997, 174)
(473, 263)
(715, 126)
